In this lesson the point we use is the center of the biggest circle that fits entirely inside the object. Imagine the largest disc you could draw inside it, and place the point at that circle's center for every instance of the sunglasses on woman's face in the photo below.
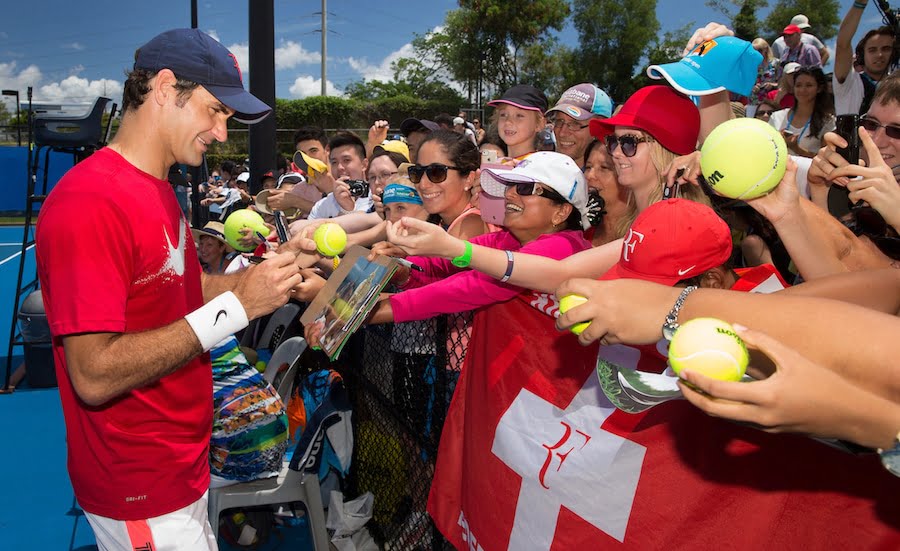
(533, 188)
(628, 142)
(436, 172)
(764, 112)
(872, 126)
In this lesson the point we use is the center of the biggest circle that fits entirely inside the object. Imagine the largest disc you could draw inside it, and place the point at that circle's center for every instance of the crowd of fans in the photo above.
(605, 198)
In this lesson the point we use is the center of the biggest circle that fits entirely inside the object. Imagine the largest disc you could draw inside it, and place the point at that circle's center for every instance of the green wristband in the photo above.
(463, 260)
(859, 5)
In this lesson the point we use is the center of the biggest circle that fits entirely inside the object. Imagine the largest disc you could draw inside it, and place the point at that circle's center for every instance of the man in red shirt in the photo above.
(125, 298)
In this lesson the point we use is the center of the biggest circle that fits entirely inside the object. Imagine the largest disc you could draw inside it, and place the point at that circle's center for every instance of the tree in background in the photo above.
(548, 66)
(745, 24)
(481, 45)
(823, 17)
(664, 50)
(613, 37)
(741, 14)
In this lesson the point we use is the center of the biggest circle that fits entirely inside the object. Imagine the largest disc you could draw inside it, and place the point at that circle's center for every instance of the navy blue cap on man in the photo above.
(195, 56)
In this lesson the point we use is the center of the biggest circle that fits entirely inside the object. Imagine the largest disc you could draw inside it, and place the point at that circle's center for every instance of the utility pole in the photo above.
(324, 41)
(262, 85)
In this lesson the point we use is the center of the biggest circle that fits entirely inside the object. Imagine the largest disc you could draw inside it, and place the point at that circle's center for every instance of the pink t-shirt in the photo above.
(115, 254)
(443, 288)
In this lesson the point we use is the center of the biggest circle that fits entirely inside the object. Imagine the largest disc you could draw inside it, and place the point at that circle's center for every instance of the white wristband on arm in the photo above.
(217, 319)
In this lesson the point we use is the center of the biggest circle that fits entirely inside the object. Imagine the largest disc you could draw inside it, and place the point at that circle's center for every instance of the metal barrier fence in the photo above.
(400, 378)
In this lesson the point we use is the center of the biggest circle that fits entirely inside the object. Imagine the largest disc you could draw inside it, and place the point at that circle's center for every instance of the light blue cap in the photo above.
(722, 63)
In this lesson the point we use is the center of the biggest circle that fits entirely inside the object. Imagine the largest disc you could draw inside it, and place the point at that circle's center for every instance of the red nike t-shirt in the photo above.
(115, 254)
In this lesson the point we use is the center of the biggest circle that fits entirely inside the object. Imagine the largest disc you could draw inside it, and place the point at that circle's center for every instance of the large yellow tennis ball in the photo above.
(330, 239)
(571, 301)
(743, 158)
(709, 346)
(239, 220)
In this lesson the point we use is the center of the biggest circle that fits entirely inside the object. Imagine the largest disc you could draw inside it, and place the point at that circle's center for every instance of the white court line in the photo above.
(16, 243)
(10, 257)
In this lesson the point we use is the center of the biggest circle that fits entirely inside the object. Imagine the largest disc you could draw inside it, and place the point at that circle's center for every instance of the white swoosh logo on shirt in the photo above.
(175, 262)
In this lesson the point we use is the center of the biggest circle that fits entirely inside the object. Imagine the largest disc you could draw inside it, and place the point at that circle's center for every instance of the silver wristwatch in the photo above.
(890, 457)
(671, 324)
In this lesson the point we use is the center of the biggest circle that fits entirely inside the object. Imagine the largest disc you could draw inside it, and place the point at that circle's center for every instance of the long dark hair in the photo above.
(824, 104)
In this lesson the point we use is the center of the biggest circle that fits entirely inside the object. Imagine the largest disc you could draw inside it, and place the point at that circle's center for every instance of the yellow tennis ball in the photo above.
(709, 346)
(743, 158)
(568, 302)
(330, 239)
(240, 219)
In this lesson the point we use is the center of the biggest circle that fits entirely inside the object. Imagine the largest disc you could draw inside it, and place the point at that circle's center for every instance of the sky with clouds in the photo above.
(72, 52)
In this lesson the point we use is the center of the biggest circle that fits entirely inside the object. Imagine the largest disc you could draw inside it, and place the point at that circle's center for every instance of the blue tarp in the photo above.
(14, 168)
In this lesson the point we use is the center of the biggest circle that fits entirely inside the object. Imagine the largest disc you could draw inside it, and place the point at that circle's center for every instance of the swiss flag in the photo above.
(533, 456)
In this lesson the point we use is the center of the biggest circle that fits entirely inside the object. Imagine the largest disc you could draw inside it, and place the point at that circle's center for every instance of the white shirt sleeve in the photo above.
(803, 164)
(778, 119)
(327, 207)
(778, 47)
(812, 40)
(849, 95)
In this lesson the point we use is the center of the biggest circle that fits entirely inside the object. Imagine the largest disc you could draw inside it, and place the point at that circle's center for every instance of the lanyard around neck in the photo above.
(805, 126)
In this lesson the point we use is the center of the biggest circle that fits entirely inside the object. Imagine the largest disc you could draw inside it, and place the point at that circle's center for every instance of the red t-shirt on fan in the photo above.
(115, 255)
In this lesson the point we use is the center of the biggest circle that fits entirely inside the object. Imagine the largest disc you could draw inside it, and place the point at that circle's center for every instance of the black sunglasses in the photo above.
(628, 142)
(872, 126)
(534, 188)
(436, 172)
(766, 112)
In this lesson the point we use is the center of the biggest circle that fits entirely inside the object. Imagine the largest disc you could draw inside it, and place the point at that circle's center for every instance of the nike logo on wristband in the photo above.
(686, 270)
(219, 314)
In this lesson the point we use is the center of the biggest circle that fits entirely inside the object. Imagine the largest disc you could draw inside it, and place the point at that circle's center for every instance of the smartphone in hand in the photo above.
(847, 127)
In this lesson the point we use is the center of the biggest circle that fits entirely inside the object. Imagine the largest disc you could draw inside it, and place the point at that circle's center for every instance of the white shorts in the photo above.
(185, 529)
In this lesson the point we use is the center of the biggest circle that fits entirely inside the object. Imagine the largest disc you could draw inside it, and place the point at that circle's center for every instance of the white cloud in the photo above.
(287, 56)
(381, 71)
(242, 54)
(75, 89)
(305, 86)
(10, 79)
(74, 46)
(290, 54)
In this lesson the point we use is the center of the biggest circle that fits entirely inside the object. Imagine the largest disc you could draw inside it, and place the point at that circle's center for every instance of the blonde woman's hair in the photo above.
(761, 46)
(661, 159)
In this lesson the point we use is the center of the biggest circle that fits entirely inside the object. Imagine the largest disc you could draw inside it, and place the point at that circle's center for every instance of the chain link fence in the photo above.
(400, 378)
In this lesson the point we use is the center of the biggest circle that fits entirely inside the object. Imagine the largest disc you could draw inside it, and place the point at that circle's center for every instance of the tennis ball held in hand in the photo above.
(330, 239)
(710, 347)
(568, 302)
(743, 158)
(239, 220)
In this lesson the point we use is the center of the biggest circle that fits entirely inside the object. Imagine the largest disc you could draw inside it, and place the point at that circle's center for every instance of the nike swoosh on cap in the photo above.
(686, 270)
